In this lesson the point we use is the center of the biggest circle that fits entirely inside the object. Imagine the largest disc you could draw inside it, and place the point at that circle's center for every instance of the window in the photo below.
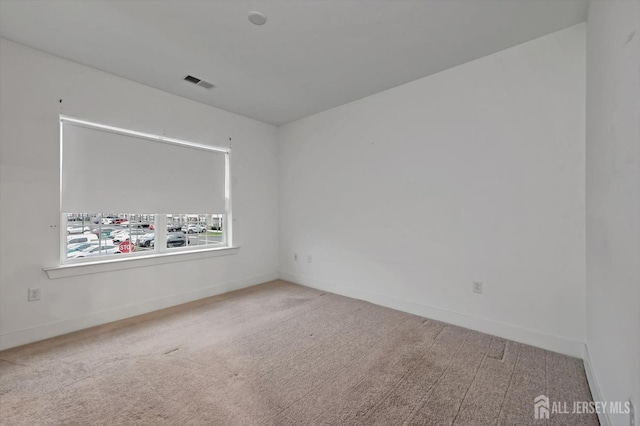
(120, 190)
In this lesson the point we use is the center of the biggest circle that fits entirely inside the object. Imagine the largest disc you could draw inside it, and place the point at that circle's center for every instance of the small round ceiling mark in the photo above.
(257, 18)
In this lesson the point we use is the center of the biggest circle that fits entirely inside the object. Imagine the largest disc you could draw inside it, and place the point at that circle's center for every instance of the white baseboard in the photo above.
(507, 331)
(596, 394)
(45, 331)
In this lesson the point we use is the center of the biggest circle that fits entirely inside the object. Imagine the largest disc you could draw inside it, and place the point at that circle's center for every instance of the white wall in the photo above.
(476, 173)
(31, 85)
(613, 202)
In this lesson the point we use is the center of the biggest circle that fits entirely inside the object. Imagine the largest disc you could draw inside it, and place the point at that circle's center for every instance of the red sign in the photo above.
(126, 247)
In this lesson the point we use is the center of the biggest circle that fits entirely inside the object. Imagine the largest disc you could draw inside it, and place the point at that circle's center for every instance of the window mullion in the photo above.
(161, 233)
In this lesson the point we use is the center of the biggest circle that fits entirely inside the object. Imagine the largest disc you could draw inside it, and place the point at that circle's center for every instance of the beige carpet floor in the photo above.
(282, 354)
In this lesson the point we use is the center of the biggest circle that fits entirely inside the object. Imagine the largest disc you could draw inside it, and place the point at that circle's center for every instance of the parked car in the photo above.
(80, 246)
(84, 238)
(191, 229)
(128, 235)
(125, 230)
(105, 232)
(177, 239)
(146, 240)
(77, 229)
(173, 227)
(125, 222)
(94, 251)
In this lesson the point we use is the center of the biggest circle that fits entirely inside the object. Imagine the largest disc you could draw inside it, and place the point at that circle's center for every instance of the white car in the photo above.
(84, 238)
(146, 240)
(128, 235)
(77, 229)
(194, 229)
(116, 232)
(80, 246)
(94, 251)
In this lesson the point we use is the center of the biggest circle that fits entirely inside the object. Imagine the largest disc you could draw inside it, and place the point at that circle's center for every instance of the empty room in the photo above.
(320, 212)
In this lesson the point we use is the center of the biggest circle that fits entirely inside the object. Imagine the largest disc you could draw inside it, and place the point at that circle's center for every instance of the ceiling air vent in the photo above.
(198, 82)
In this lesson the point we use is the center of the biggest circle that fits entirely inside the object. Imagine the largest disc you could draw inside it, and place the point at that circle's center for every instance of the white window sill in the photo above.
(71, 270)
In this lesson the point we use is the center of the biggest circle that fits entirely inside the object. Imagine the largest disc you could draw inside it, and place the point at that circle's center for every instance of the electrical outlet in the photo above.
(295, 257)
(477, 287)
(309, 259)
(632, 414)
(34, 294)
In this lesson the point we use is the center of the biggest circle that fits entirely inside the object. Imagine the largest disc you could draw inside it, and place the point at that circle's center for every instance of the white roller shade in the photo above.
(107, 171)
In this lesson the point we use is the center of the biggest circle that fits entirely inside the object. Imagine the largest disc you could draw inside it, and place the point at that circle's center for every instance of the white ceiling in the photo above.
(308, 57)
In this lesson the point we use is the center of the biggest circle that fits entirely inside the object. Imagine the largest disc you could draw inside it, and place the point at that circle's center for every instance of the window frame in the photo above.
(160, 229)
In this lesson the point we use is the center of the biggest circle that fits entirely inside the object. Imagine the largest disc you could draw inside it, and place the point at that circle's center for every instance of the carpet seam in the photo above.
(365, 378)
(504, 397)
(430, 345)
(401, 379)
(318, 344)
(341, 369)
(313, 347)
(186, 358)
(330, 353)
(426, 397)
(475, 375)
(14, 363)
